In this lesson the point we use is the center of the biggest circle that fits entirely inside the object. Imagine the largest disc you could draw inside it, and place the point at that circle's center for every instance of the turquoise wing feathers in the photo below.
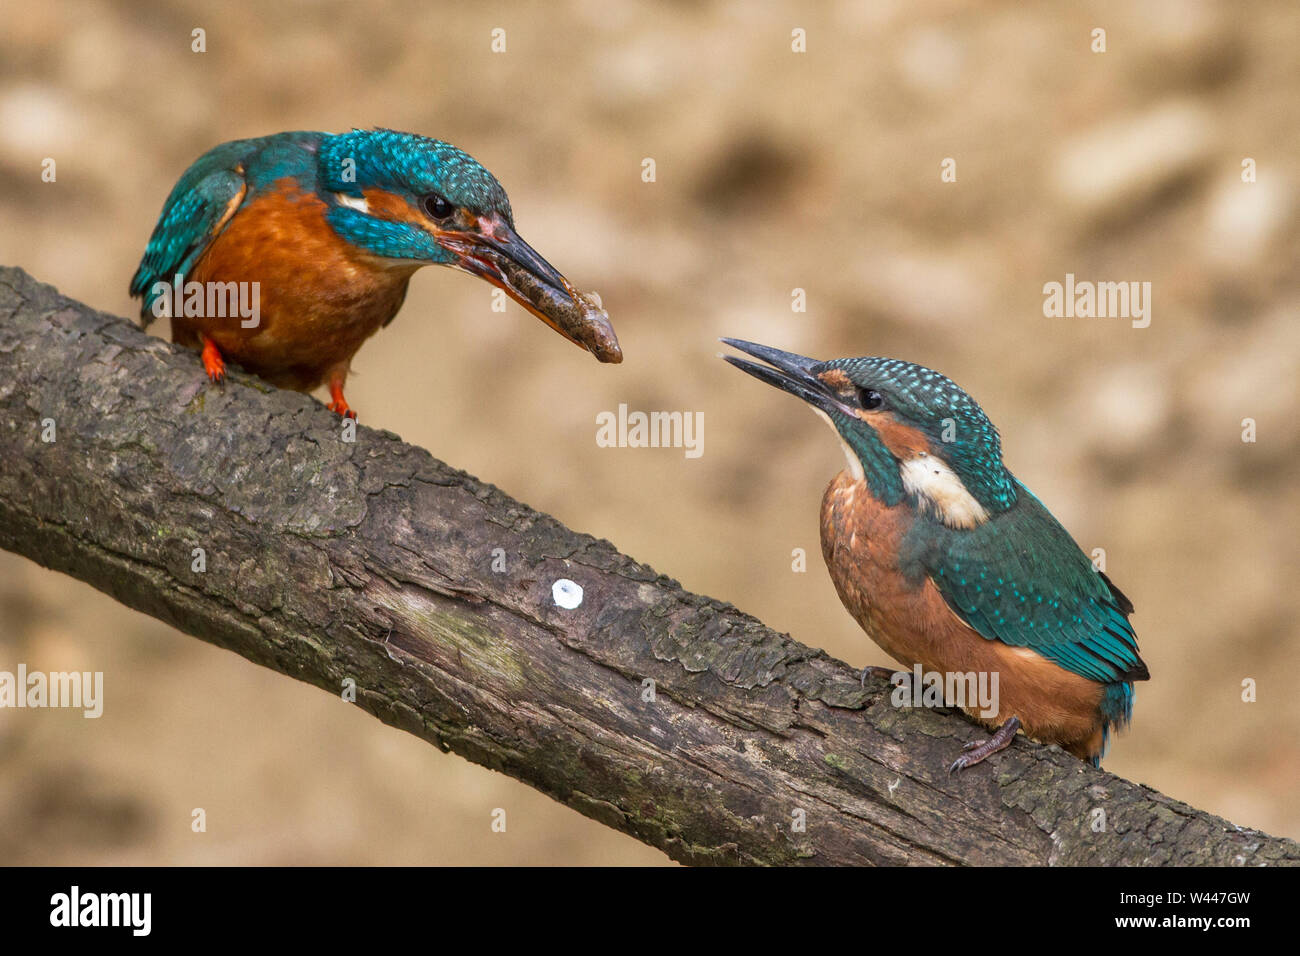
(197, 208)
(1021, 579)
(190, 217)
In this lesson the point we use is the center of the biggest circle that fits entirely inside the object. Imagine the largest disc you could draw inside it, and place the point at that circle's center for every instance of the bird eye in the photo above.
(870, 399)
(436, 207)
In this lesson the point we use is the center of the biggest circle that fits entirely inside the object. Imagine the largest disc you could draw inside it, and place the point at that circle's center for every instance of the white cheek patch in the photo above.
(935, 485)
(855, 464)
(353, 202)
(938, 488)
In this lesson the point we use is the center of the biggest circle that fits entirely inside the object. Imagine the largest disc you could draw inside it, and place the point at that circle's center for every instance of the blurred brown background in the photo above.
(775, 170)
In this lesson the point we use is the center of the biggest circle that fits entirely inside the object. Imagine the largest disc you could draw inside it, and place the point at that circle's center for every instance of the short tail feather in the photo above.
(1117, 711)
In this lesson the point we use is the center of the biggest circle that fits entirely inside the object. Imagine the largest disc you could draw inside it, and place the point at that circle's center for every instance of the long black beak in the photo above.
(511, 245)
(500, 256)
(787, 371)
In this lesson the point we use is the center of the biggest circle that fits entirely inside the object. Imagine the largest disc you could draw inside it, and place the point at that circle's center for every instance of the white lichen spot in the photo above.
(567, 594)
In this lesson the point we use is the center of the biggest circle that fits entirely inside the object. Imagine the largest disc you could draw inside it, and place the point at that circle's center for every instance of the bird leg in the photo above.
(977, 750)
(338, 403)
(213, 364)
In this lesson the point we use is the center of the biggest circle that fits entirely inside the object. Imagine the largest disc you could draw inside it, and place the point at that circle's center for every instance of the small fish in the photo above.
(576, 315)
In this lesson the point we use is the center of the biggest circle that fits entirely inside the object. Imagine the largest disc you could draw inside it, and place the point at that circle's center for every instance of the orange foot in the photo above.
(338, 403)
(212, 361)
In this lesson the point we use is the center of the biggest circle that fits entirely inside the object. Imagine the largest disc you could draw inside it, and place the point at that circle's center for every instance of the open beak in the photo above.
(789, 372)
(495, 252)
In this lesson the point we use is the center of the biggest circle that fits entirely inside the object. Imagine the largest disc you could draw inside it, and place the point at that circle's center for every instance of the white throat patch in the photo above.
(939, 489)
(936, 486)
(855, 465)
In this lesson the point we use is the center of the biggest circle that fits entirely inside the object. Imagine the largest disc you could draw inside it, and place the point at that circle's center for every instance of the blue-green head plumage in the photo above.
(904, 425)
(914, 396)
(430, 175)
(427, 175)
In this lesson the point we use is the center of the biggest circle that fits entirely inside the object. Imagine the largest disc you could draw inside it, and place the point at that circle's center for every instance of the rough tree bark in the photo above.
(370, 560)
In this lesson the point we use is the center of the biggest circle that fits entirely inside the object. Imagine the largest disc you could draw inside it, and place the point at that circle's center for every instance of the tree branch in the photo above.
(370, 560)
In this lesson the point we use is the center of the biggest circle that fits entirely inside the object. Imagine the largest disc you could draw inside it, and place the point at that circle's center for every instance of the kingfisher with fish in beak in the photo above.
(949, 562)
(331, 227)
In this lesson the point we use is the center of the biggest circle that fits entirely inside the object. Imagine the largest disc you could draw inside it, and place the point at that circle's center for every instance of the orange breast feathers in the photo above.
(913, 624)
(319, 298)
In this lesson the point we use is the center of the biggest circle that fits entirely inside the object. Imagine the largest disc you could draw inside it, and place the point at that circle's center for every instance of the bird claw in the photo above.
(875, 670)
(979, 750)
(213, 364)
(962, 762)
(341, 408)
(338, 404)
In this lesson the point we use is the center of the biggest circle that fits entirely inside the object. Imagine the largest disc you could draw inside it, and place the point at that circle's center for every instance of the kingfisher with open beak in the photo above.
(331, 228)
(947, 561)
